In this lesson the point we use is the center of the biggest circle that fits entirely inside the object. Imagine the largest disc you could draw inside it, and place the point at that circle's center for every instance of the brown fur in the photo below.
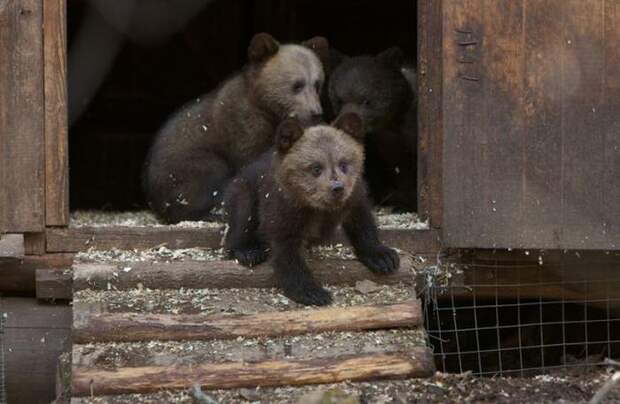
(329, 147)
(204, 144)
(282, 202)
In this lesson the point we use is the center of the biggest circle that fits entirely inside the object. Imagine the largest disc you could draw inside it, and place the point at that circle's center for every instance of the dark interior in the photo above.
(152, 73)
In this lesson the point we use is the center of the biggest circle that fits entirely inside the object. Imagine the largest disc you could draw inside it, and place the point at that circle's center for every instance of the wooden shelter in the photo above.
(519, 149)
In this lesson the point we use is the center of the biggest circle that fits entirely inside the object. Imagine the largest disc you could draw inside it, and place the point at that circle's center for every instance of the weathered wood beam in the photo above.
(12, 245)
(221, 274)
(54, 284)
(129, 327)
(129, 238)
(228, 375)
(17, 275)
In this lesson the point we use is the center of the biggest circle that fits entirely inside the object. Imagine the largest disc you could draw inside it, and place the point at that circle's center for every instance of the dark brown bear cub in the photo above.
(205, 144)
(381, 91)
(297, 195)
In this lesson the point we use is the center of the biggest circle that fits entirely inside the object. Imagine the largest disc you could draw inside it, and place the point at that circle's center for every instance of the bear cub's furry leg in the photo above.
(293, 275)
(242, 239)
(361, 230)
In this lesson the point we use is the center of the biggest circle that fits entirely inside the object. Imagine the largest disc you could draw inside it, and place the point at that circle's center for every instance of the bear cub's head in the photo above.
(320, 166)
(374, 87)
(287, 79)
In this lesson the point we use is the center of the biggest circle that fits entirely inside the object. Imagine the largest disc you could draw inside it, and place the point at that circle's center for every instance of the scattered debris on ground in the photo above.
(99, 218)
(246, 301)
(157, 254)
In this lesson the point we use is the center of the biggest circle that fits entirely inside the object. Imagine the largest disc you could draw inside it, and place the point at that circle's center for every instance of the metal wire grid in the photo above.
(476, 328)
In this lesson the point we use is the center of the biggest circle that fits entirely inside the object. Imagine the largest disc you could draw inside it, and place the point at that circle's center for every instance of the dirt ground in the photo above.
(560, 387)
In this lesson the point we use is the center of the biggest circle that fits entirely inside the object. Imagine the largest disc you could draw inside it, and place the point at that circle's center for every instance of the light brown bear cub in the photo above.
(204, 144)
(298, 194)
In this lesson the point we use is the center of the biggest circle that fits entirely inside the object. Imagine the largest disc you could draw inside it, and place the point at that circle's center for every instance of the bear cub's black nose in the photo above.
(337, 188)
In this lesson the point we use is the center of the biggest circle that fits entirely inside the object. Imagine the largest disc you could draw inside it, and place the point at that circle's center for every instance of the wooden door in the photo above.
(531, 124)
(33, 132)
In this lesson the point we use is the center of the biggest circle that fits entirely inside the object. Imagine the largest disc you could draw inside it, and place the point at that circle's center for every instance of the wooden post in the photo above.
(22, 149)
(56, 127)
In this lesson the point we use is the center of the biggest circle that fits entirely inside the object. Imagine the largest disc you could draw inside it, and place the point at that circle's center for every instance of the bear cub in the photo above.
(296, 195)
(204, 144)
(380, 89)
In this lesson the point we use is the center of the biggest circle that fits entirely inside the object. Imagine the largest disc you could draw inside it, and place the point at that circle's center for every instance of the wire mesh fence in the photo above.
(526, 316)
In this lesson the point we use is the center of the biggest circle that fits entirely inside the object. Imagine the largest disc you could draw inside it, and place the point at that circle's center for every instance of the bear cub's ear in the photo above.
(262, 46)
(289, 131)
(393, 56)
(320, 46)
(351, 124)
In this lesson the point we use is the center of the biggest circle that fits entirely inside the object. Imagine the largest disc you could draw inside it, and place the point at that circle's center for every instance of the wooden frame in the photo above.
(430, 125)
(56, 114)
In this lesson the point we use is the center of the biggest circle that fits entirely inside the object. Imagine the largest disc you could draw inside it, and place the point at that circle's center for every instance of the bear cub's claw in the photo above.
(250, 257)
(381, 260)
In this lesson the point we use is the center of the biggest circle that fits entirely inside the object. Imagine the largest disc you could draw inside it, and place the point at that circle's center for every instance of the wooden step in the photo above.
(222, 274)
(128, 327)
(124, 346)
(77, 239)
(362, 367)
(386, 391)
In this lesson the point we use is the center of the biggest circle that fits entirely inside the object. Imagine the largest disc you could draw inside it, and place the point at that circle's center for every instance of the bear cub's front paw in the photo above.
(381, 260)
(250, 257)
(309, 293)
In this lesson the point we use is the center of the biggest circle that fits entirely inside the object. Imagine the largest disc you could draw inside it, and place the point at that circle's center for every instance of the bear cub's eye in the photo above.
(316, 169)
(366, 102)
(344, 166)
(298, 86)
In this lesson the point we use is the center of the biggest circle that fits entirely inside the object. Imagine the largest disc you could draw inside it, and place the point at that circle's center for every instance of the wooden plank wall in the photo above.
(56, 126)
(34, 336)
(530, 110)
(21, 117)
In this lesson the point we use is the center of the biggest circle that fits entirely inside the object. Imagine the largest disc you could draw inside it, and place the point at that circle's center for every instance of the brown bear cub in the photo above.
(205, 143)
(381, 90)
(297, 195)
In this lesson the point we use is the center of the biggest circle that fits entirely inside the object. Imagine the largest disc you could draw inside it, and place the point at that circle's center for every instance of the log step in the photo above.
(399, 391)
(287, 346)
(222, 274)
(129, 327)
(362, 367)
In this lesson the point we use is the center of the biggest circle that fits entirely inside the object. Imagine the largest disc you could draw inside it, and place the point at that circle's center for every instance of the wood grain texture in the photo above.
(89, 381)
(530, 102)
(22, 158)
(430, 123)
(34, 336)
(128, 327)
(54, 284)
(34, 243)
(12, 246)
(221, 274)
(56, 115)
(17, 275)
(129, 238)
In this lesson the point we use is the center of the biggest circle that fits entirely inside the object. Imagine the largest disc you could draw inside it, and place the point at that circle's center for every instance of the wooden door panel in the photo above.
(531, 114)
(22, 159)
